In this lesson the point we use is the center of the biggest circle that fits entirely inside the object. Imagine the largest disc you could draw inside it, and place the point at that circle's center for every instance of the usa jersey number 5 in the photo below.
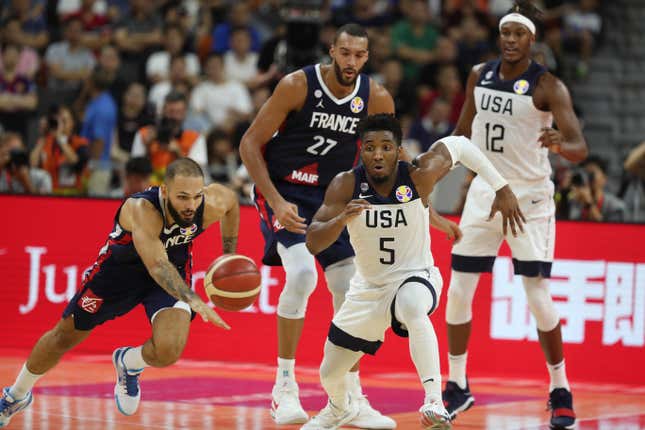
(389, 252)
(321, 146)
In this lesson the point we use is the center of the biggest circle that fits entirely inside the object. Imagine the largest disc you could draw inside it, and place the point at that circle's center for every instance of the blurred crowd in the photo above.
(97, 97)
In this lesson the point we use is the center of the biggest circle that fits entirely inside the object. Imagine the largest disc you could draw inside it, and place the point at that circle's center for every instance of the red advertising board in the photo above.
(598, 284)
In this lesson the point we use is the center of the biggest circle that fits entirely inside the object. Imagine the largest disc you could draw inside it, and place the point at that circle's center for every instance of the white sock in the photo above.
(285, 372)
(353, 383)
(24, 383)
(457, 369)
(133, 359)
(558, 374)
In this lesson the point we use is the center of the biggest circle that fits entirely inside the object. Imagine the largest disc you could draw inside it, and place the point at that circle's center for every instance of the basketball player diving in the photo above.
(146, 260)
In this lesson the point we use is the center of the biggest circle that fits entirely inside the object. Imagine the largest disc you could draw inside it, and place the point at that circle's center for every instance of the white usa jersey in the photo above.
(507, 124)
(392, 238)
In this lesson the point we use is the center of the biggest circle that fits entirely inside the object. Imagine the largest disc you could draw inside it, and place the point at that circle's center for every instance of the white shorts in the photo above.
(532, 250)
(368, 311)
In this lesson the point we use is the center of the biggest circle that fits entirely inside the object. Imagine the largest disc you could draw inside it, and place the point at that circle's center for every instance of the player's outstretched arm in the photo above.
(334, 214)
(447, 152)
(452, 230)
(145, 225)
(230, 222)
(568, 140)
(288, 96)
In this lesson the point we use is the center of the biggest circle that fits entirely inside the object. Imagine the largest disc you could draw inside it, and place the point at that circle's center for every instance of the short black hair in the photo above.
(381, 122)
(183, 167)
(351, 29)
(596, 160)
(528, 9)
(138, 166)
(175, 96)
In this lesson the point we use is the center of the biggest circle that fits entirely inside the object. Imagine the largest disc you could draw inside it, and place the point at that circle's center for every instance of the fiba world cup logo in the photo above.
(404, 194)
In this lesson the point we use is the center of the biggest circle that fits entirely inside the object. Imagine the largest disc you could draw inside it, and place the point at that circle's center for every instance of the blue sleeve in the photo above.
(103, 124)
(255, 40)
(220, 39)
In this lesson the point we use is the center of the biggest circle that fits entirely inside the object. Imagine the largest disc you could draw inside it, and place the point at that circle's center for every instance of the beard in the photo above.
(341, 79)
(380, 179)
(179, 220)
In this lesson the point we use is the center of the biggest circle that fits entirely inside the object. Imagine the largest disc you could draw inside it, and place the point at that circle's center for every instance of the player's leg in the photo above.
(170, 320)
(532, 259)
(414, 301)
(44, 356)
(301, 279)
(474, 254)
(341, 408)
(288, 249)
(338, 264)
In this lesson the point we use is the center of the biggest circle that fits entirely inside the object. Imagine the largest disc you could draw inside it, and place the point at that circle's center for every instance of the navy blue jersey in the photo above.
(119, 258)
(317, 142)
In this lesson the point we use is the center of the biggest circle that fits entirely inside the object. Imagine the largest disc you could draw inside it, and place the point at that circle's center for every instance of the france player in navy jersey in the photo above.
(146, 260)
(510, 106)
(301, 138)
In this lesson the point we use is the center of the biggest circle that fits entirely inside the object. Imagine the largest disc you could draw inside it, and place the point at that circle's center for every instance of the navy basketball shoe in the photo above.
(456, 399)
(10, 406)
(561, 405)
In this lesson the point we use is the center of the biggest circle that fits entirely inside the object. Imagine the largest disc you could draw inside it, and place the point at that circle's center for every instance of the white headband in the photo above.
(520, 19)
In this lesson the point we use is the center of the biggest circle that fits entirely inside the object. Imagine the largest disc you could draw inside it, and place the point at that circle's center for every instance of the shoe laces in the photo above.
(128, 383)
(8, 404)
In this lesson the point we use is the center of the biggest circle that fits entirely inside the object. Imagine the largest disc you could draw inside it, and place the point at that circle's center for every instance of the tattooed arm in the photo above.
(227, 200)
(145, 223)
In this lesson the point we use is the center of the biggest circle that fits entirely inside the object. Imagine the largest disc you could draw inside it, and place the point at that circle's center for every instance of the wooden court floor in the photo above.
(78, 394)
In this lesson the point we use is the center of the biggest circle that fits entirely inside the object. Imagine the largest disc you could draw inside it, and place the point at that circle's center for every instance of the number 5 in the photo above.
(388, 251)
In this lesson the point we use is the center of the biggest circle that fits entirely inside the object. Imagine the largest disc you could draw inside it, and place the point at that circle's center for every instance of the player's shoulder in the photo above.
(296, 80)
(215, 193)
(343, 183)
(548, 81)
(138, 212)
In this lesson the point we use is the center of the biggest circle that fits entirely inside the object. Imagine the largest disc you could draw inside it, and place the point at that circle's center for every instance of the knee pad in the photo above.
(540, 303)
(301, 278)
(413, 302)
(460, 297)
(338, 276)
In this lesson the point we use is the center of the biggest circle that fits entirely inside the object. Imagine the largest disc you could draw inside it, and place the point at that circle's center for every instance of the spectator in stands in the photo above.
(634, 194)
(137, 35)
(239, 16)
(28, 59)
(158, 65)
(432, 126)
(178, 82)
(62, 153)
(18, 97)
(401, 90)
(581, 32)
(24, 23)
(240, 63)
(589, 201)
(167, 140)
(414, 38)
(222, 159)
(96, 31)
(134, 114)
(448, 88)
(217, 101)
(69, 64)
(16, 176)
(138, 175)
(98, 128)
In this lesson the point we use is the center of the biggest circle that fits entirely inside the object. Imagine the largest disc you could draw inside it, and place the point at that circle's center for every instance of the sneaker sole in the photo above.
(571, 427)
(463, 408)
(435, 423)
(294, 419)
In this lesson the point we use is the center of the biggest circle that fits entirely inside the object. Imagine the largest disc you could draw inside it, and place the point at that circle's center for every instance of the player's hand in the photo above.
(208, 314)
(353, 209)
(451, 228)
(287, 215)
(551, 138)
(506, 203)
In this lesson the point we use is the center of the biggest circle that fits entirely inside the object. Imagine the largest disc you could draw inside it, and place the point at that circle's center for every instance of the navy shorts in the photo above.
(112, 291)
(308, 200)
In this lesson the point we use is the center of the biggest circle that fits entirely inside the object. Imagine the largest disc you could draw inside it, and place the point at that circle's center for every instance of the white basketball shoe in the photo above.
(285, 405)
(370, 418)
(434, 416)
(331, 418)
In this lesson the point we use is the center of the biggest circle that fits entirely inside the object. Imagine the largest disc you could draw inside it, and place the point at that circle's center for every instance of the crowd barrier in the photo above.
(598, 283)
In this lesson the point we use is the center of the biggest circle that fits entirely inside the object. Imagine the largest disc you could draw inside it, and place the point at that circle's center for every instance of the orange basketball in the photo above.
(232, 282)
